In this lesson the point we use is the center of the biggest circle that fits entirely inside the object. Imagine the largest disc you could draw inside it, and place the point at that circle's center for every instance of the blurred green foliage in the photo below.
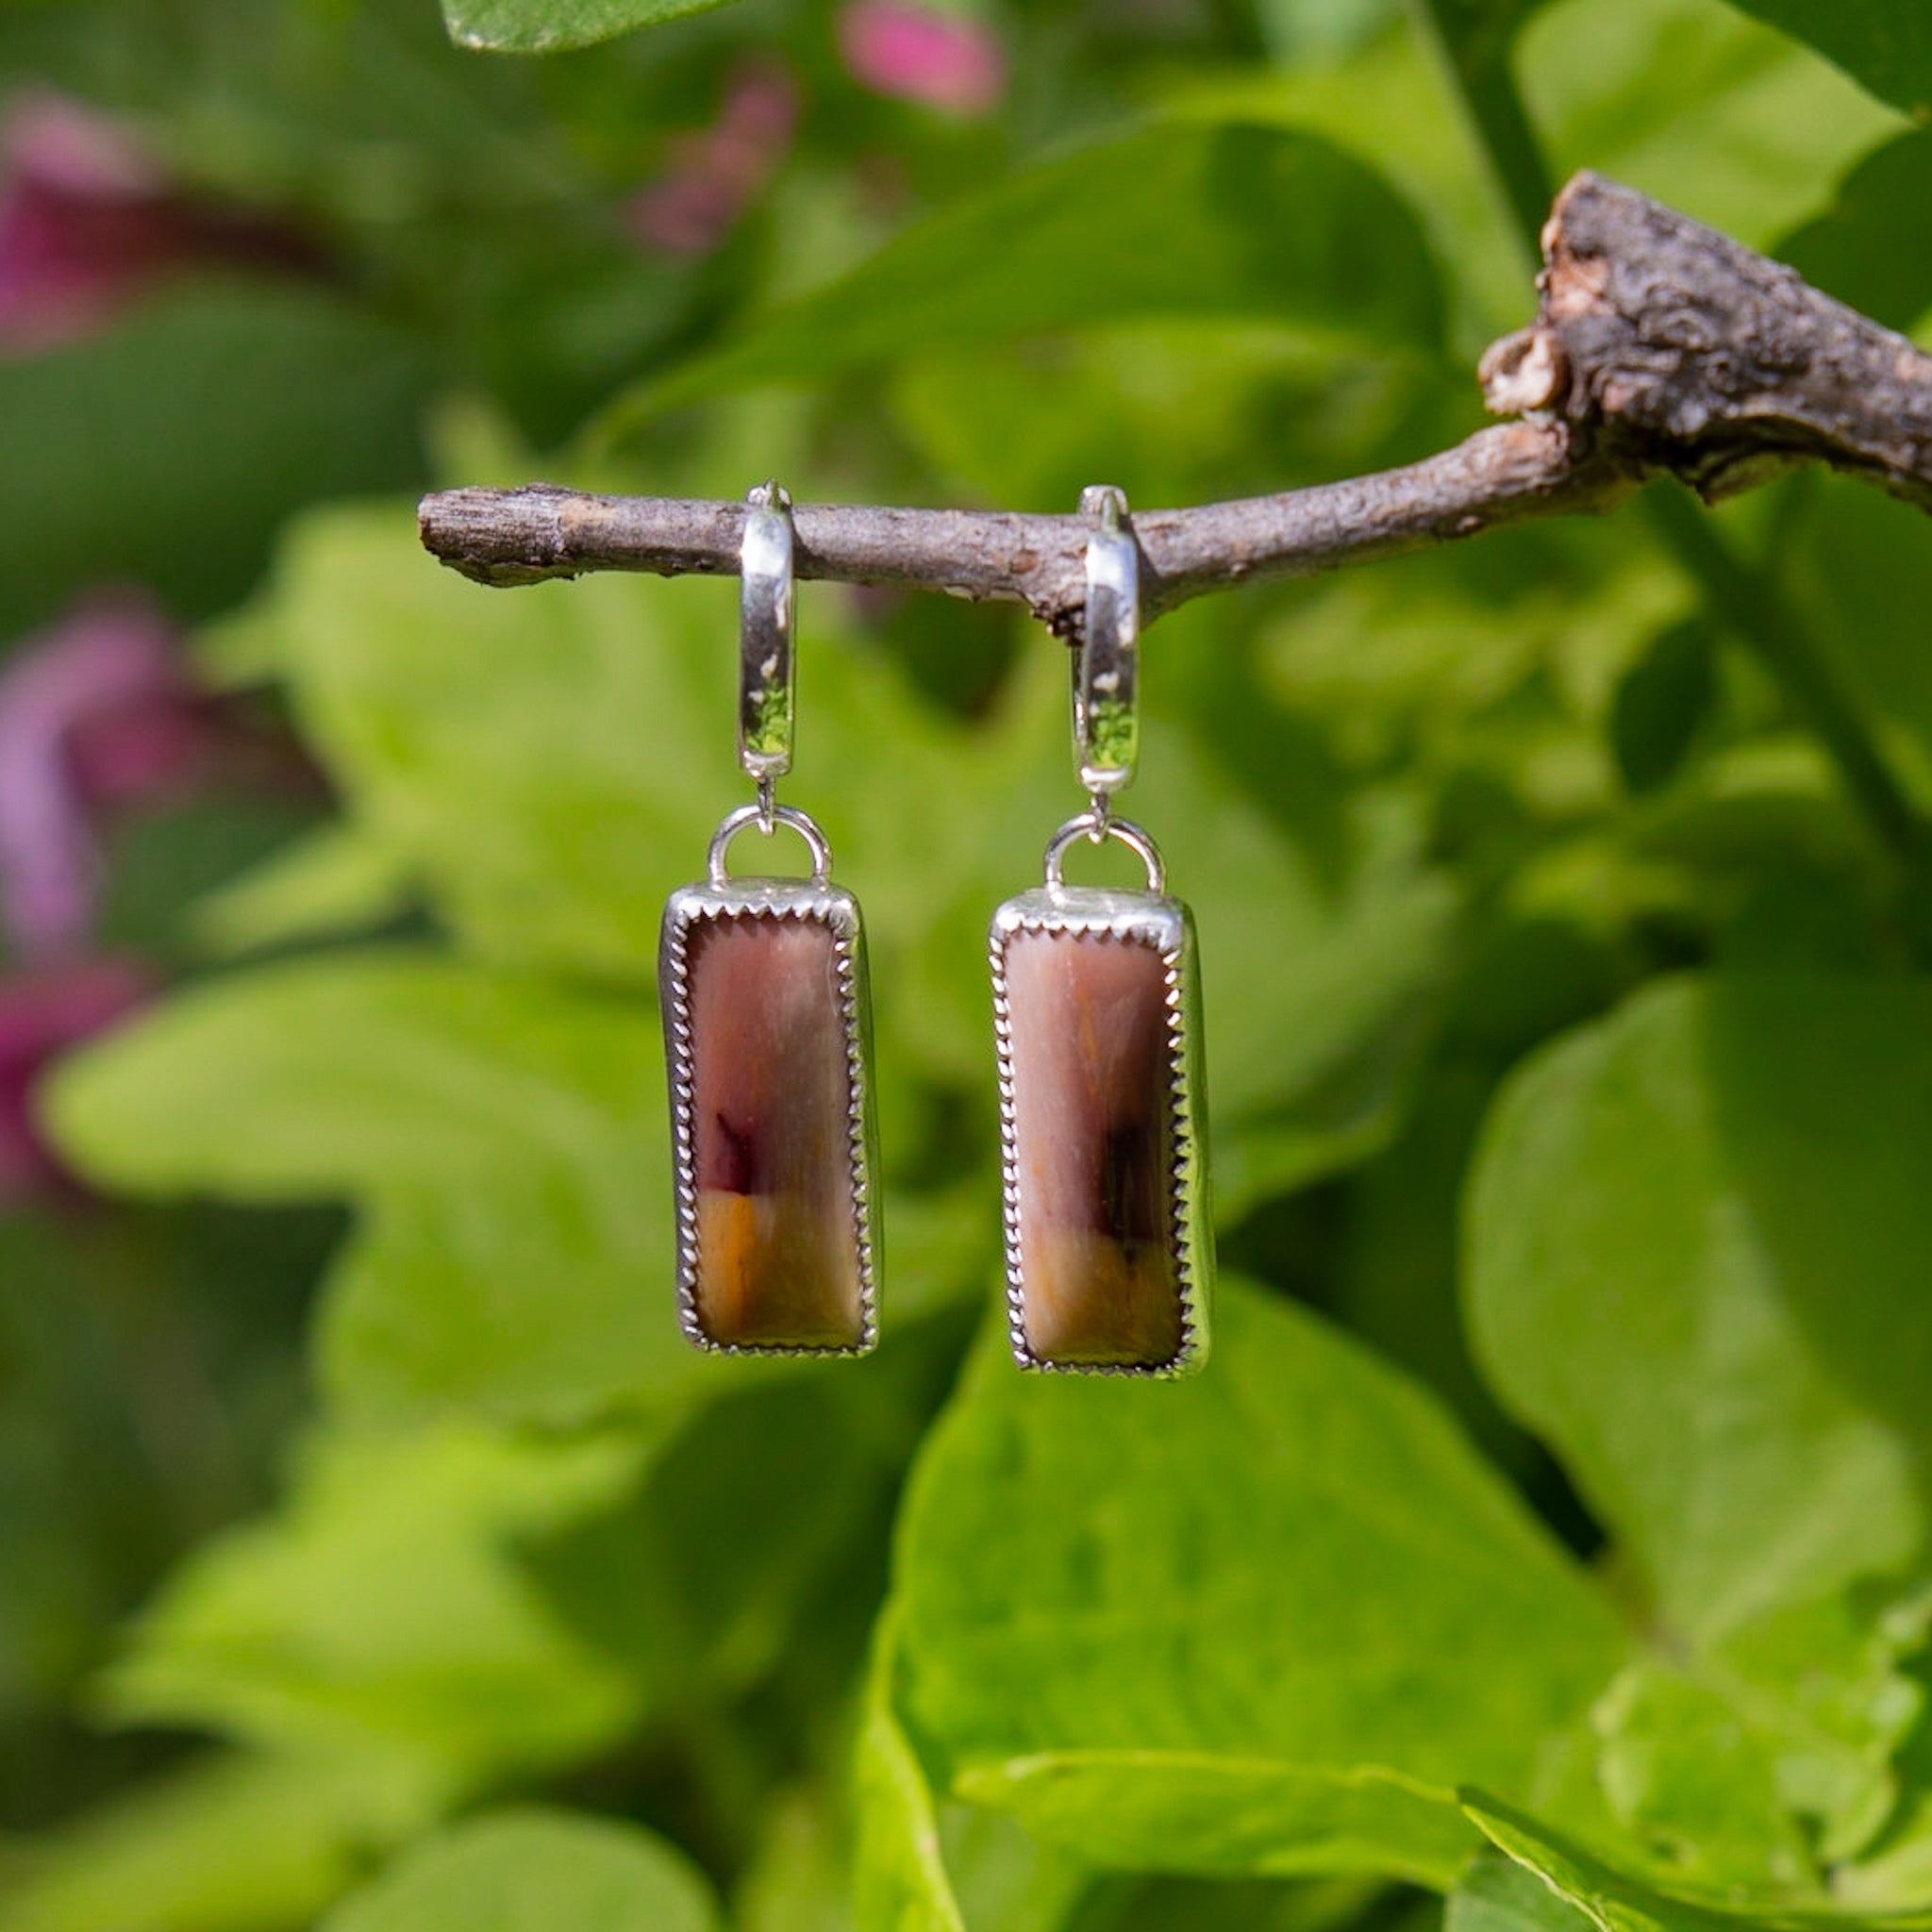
(1549, 1541)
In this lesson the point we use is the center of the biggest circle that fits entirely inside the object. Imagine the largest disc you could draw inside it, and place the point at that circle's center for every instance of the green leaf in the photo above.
(546, 814)
(1004, 1877)
(1307, 1066)
(918, 1867)
(494, 1130)
(1885, 44)
(576, 780)
(1388, 104)
(572, 1327)
(692, 1615)
(1686, 1228)
(1126, 1810)
(545, 26)
(1174, 412)
(166, 451)
(575, 784)
(1496, 1895)
(899, 1882)
(799, 1877)
(1320, 30)
(1174, 222)
(1708, 110)
(1829, 1689)
(1689, 1778)
(298, 1633)
(84, 1505)
(335, 879)
(1862, 249)
(1859, 562)
(171, 853)
(551, 809)
(534, 1870)
(1300, 1589)
(1395, 1283)
(236, 1842)
(1896, 1873)
(1661, 703)
(1614, 1900)
(1479, 33)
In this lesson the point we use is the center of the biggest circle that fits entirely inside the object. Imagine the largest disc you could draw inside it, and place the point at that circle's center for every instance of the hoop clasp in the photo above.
(1106, 693)
(766, 657)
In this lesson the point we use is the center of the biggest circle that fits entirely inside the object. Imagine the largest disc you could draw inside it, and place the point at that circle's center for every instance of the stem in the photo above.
(1735, 593)
(1240, 30)
(1498, 118)
(1749, 606)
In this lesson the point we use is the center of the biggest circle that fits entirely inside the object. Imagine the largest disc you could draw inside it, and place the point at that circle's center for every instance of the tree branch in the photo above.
(1499, 476)
(1659, 347)
(1705, 360)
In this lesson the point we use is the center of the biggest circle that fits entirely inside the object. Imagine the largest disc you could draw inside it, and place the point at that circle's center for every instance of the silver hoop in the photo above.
(767, 821)
(1106, 693)
(1098, 827)
(766, 658)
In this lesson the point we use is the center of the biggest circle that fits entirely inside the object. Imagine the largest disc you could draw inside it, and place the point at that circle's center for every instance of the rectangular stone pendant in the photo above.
(767, 1024)
(1110, 1248)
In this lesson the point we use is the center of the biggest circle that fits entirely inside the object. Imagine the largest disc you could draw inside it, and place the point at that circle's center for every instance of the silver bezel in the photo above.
(1166, 924)
(813, 900)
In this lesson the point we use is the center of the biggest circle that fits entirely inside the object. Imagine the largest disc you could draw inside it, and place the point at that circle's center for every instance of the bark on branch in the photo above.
(1659, 346)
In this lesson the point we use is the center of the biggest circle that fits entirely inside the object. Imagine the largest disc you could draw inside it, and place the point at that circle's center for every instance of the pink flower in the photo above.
(114, 651)
(717, 173)
(97, 712)
(43, 1012)
(100, 713)
(914, 53)
(89, 221)
(79, 230)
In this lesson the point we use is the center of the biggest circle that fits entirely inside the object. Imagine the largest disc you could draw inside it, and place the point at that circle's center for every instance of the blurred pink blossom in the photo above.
(89, 221)
(916, 53)
(113, 650)
(716, 173)
(100, 713)
(42, 1012)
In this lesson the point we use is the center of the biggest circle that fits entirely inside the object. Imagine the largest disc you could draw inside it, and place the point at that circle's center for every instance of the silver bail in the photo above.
(1106, 694)
(766, 660)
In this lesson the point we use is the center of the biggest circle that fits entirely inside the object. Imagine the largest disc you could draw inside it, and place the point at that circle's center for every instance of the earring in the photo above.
(767, 1029)
(1110, 1248)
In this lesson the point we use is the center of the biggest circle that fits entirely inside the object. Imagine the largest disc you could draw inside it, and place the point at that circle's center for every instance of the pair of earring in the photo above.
(767, 1021)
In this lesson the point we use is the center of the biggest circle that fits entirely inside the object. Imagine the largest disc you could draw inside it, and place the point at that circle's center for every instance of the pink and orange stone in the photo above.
(778, 1262)
(1093, 1136)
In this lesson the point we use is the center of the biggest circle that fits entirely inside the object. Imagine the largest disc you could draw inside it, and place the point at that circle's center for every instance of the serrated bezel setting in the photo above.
(813, 901)
(1106, 916)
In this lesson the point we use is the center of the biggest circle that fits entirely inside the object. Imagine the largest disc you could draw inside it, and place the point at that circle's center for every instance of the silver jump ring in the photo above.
(1097, 826)
(816, 844)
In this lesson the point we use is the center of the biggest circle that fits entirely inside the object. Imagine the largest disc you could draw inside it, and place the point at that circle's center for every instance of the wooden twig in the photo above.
(1659, 346)
(1700, 358)
(1520, 469)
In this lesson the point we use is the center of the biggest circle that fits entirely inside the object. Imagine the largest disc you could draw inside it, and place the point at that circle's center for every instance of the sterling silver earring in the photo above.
(1109, 1247)
(767, 1029)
